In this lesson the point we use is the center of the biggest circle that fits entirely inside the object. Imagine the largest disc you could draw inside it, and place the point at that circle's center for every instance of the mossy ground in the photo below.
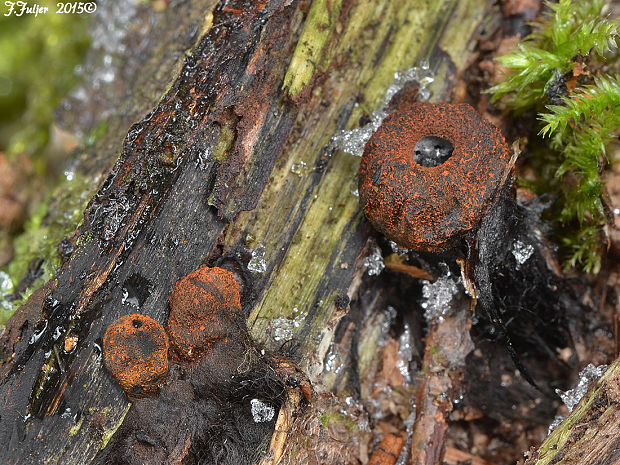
(566, 71)
(37, 69)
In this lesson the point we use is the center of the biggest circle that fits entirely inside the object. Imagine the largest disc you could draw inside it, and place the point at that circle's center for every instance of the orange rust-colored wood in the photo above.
(456, 457)
(447, 344)
(388, 450)
(395, 263)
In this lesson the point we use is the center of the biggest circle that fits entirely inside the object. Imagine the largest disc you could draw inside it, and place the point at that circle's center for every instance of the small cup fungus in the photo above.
(430, 172)
(136, 353)
(205, 307)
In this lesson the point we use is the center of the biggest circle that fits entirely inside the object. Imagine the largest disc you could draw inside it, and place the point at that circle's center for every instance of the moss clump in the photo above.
(37, 64)
(330, 417)
(560, 72)
(54, 218)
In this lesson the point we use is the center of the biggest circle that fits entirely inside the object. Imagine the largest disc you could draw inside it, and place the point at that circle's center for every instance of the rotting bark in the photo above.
(206, 177)
(589, 435)
(447, 345)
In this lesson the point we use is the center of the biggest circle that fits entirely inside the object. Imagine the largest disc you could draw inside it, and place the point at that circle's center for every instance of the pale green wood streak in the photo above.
(556, 441)
(465, 15)
(308, 55)
(417, 30)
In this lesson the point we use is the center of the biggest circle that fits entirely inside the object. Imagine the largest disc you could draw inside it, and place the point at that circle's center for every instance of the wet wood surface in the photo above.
(232, 167)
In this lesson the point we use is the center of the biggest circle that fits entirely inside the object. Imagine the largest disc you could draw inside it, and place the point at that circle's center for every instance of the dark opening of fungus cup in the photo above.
(430, 172)
(135, 351)
(205, 307)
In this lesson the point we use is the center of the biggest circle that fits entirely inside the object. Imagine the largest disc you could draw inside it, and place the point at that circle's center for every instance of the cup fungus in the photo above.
(430, 172)
(136, 353)
(205, 307)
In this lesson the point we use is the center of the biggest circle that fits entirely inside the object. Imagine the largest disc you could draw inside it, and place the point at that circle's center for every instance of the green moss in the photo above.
(330, 417)
(220, 150)
(39, 55)
(97, 132)
(75, 428)
(578, 124)
(325, 419)
(37, 61)
(55, 217)
(309, 53)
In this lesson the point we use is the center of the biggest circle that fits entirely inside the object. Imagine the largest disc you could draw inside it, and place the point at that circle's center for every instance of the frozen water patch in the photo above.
(353, 187)
(354, 140)
(522, 252)
(261, 412)
(403, 458)
(555, 423)
(390, 315)
(573, 396)
(300, 169)
(356, 411)
(374, 263)
(6, 285)
(257, 263)
(422, 74)
(333, 361)
(112, 214)
(398, 250)
(284, 328)
(404, 354)
(132, 301)
(438, 296)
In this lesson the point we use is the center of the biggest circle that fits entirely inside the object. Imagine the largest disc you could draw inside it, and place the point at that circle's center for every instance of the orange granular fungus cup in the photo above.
(426, 208)
(136, 353)
(205, 307)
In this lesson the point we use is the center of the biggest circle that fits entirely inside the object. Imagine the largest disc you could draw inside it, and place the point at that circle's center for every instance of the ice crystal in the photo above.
(522, 252)
(261, 412)
(573, 396)
(374, 262)
(437, 297)
(257, 263)
(354, 140)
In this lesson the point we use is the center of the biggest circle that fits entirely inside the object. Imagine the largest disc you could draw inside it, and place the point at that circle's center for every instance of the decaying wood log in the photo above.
(233, 167)
(447, 345)
(589, 435)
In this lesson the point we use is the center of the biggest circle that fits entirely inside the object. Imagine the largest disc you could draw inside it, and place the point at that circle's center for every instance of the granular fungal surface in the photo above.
(136, 353)
(205, 307)
(426, 208)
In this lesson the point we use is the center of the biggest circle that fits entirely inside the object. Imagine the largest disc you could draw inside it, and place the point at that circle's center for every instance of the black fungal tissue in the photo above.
(522, 300)
(206, 414)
